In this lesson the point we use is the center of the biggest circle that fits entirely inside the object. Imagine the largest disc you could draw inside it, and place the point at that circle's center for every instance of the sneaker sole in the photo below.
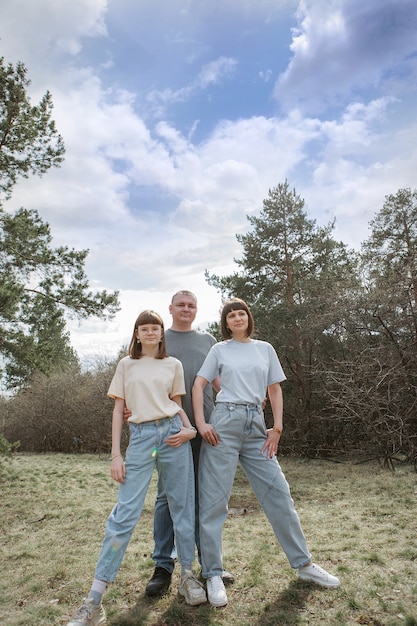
(319, 582)
(156, 594)
(218, 605)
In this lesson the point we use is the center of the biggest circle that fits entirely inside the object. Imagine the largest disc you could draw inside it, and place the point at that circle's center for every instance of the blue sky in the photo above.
(179, 115)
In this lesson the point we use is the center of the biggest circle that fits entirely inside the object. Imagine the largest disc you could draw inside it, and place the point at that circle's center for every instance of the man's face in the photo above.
(183, 309)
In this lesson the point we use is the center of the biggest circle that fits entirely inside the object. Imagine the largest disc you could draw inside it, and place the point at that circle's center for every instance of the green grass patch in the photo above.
(359, 521)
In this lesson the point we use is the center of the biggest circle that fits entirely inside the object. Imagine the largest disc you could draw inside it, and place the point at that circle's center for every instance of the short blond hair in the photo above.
(184, 292)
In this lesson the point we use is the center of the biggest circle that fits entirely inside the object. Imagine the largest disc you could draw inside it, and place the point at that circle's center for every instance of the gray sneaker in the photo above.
(192, 589)
(89, 614)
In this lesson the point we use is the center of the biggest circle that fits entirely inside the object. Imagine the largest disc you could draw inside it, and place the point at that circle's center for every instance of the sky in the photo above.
(178, 116)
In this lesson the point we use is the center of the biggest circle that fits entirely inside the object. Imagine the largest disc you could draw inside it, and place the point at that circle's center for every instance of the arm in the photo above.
(206, 430)
(187, 431)
(117, 466)
(216, 384)
(274, 433)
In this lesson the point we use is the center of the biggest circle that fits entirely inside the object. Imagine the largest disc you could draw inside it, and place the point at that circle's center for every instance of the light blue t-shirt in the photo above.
(245, 369)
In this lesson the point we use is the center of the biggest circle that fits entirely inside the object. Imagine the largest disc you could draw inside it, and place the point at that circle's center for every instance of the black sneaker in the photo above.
(159, 583)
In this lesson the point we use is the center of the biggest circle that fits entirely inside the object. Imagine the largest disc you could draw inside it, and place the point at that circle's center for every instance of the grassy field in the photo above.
(360, 522)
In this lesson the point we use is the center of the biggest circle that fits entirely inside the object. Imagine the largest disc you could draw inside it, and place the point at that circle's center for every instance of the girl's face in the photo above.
(149, 335)
(237, 322)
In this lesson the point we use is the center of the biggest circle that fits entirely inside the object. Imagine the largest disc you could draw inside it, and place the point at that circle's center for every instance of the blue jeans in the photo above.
(163, 527)
(242, 433)
(147, 450)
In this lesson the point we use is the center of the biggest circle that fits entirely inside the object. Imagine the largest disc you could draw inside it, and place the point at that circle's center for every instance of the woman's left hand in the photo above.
(185, 434)
(271, 443)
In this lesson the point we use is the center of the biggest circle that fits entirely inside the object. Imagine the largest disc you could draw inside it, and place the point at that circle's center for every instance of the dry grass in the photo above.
(360, 522)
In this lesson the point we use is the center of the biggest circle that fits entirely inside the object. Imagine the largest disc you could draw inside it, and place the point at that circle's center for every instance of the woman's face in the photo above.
(237, 322)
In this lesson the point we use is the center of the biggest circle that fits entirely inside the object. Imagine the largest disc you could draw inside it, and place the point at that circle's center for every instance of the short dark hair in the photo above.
(235, 304)
(147, 317)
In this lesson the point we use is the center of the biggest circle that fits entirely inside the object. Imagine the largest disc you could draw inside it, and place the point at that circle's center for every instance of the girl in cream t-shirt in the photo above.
(151, 384)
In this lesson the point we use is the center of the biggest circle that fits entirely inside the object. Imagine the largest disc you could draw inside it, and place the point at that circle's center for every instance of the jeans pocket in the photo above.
(219, 414)
(175, 425)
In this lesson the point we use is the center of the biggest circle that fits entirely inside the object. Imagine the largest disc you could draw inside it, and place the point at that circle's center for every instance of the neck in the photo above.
(149, 351)
(181, 328)
(241, 338)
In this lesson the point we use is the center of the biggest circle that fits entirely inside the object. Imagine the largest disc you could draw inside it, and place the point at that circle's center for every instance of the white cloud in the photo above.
(45, 30)
(342, 45)
(210, 74)
(156, 206)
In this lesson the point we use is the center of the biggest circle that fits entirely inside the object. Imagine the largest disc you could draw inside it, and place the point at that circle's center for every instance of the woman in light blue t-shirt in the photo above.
(236, 433)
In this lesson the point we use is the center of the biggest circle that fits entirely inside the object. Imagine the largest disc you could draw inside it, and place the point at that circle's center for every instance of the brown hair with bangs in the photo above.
(147, 317)
(235, 304)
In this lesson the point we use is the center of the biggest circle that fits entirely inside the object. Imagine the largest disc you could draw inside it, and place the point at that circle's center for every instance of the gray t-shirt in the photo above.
(191, 348)
(245, 369)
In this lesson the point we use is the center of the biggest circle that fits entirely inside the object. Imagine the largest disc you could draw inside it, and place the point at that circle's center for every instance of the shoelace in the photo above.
(192, 582)
(85, 610)
(216, 583)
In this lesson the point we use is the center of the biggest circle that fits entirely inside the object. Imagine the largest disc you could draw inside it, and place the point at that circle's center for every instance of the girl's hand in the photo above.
(271, 443)
(126, 413)
(185, 434)
(209, 434)
(118, 469)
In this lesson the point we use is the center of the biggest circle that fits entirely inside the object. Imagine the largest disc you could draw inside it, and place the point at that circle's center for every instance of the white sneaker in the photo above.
(192, 589)
(216, 592)
(89, 614)
(316, 574)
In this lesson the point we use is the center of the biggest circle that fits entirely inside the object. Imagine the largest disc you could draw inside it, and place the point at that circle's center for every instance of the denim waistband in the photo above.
(150, 422)
(248, 405)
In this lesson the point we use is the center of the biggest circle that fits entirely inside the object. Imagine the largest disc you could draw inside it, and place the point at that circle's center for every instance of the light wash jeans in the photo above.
(163, 528)
(242, 433)
(147, 450)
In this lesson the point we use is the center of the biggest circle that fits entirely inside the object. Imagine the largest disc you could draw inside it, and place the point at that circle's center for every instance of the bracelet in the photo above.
(277, 430)
(192, 428)
(115, 457)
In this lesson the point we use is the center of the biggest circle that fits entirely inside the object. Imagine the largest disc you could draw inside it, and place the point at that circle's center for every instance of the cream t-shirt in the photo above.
(147, 386)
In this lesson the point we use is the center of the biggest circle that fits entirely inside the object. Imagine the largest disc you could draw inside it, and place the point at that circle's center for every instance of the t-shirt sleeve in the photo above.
(178, 384)
(275, 371)
(117, 387)
(210, 368)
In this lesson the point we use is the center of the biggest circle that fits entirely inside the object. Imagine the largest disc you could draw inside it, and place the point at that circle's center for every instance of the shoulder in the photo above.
(263, 344)
(222, 345)
(125, 361)
(204, 335)
(172, 361)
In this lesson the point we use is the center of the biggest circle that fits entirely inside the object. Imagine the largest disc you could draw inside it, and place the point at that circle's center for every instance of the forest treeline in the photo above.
(343, 323)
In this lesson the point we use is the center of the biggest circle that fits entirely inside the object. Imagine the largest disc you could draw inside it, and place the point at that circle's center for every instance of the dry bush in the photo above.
(66, 412)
